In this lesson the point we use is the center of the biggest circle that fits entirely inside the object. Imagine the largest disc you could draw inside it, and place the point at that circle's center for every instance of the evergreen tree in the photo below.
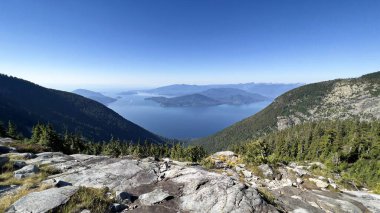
(12, 131)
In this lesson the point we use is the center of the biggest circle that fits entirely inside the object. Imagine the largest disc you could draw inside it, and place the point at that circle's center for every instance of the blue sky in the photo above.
(141, 43)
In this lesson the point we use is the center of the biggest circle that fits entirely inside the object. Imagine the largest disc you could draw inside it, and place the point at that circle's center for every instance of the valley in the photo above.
(321, 153)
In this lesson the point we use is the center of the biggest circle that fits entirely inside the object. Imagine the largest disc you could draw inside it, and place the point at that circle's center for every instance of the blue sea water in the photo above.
(181, 123)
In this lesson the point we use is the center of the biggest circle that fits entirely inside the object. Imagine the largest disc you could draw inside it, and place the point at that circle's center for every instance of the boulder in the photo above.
(319, 183)
(266, 170)
(26, 171)
(151, 198)
(247, 174)
(300, 171)
(164, 166)
(19, 164)
(43, 201)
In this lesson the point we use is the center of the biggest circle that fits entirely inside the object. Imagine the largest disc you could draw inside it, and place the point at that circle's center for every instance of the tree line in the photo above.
(44, 137)
(348, 147)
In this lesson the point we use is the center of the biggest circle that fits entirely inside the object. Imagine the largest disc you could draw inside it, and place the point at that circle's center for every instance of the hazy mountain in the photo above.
(268, 90)
(26, 104)
(329, 100)
(194, 100)
(96, 96)
(233, 96)
(211, 97)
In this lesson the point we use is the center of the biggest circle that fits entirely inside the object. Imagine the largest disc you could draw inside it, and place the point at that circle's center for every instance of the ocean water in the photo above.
(181, 123)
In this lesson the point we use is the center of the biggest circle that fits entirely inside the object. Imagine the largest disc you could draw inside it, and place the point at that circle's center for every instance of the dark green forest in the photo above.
(350, 148)
(45, 138)
(26, 104)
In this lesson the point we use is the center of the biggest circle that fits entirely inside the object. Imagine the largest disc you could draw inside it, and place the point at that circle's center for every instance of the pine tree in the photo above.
(36, 134)
(12, 132)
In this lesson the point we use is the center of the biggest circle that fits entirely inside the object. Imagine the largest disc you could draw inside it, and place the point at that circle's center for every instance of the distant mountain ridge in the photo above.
(233, 96)
(211, 97)
(96, 96)
(193, 100)
(26, 104)
(265, 89)
(329, 100)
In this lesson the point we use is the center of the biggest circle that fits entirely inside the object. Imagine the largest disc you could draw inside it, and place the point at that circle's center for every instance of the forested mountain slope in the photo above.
(96, 96)
(26, 104)
(336, 99)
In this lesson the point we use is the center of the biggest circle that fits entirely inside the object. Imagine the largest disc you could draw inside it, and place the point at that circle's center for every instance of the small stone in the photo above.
(164, 167)
(278, 176)
(247, 174)
(330, 180)
(293, 164)
(299, 181)
(319, 183)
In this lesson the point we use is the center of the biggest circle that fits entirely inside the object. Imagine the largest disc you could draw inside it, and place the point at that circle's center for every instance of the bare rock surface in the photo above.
(43, 201)
(49, 158)
(148, 185)
(211, 192)
(151, 198)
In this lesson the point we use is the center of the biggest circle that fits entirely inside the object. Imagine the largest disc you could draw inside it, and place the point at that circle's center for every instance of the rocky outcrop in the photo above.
(43, 201)
(347, 99)
(144, 186)
(205, 191)
(148, 185)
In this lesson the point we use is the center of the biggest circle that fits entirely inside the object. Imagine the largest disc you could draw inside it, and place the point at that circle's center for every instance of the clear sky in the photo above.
(141, 43)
